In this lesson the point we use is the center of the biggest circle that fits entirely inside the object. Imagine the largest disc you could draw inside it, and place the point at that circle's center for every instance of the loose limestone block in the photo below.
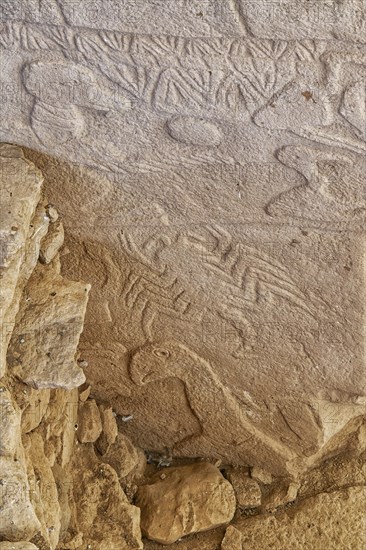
(44, 491)
(232, 539)
(109, 427)
(189, 499)
(44, 341)
(18, 520)
(328, 520)
(102, 511)
(17, 546)
(124, 457)
(9, 424)
(20, 189)
(247, 491)
(34, 404)
(261, 475)
(89, 422)
(281, 493)
(52, 242)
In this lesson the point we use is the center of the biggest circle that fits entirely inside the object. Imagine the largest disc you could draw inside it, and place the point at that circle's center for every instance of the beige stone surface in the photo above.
(20, 188)
(184, 500)
(34, 405)
(17, 546)
(281, 493)
(47, 331)
(52, 242)
(44, 492)
(89, 422)
(247, 490)
(10, 416)
(124, 457)
(18, 520)
(109, 429)
(102, 511)
(232, 539)
(207, 160)
(334, 520)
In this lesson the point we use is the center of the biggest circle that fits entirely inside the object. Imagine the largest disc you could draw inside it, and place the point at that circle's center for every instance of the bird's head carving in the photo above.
(155, 361)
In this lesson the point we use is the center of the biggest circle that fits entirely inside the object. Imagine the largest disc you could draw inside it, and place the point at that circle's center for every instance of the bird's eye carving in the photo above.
(161, 353)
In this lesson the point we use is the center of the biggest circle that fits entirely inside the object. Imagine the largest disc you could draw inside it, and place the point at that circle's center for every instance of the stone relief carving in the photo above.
(154, 361)
(175, 115)
(334, 180)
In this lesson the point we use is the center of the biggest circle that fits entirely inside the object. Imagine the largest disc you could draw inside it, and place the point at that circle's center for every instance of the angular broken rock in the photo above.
(189, 499)
(44, 491)
(18, 520)
(89, 422)
(247, 491)
(124, 457)
(282, 493)
(109, 429)
(102, 513)
(20, 189)
(9, 424)
(328, 520)
(232, 539)
(48, 326)
(17, 546)
(52, 242)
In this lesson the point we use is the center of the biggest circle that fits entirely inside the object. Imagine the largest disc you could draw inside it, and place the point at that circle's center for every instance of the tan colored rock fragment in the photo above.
(84, 392)
(328, 520)
(43, 489)
(124, 457)
(109, 429)
(9, 424)
(18, 520)
(52, 242)
(232, 539)
(102, 512)
(247, 491)
(282, 493)
(89, 422)
(261, 475)
(34, 404)
(17, 546)
(20, 187)
(189, 499)
(43, 345)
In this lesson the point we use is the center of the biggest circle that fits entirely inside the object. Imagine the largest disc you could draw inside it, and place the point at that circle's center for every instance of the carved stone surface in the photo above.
(217, 205)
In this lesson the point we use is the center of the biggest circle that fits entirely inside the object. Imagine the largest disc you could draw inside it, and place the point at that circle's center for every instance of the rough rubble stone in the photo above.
(18, 520)
(247, 491)
(185, 500)
(232, 540)
(44, 492)
(49, 323)
(334, 520)
(52, 242)
(102, 512)
(109, 429)
(89, 422)
(261, 475)
(20, 187)
(124, 457)
(84, 392)
(282, 493)
(17, 546)
(34, 405)
(10, 416)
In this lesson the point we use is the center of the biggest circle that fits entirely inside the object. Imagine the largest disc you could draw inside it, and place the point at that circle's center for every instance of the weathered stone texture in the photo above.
(185, 500)
(334, 520)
